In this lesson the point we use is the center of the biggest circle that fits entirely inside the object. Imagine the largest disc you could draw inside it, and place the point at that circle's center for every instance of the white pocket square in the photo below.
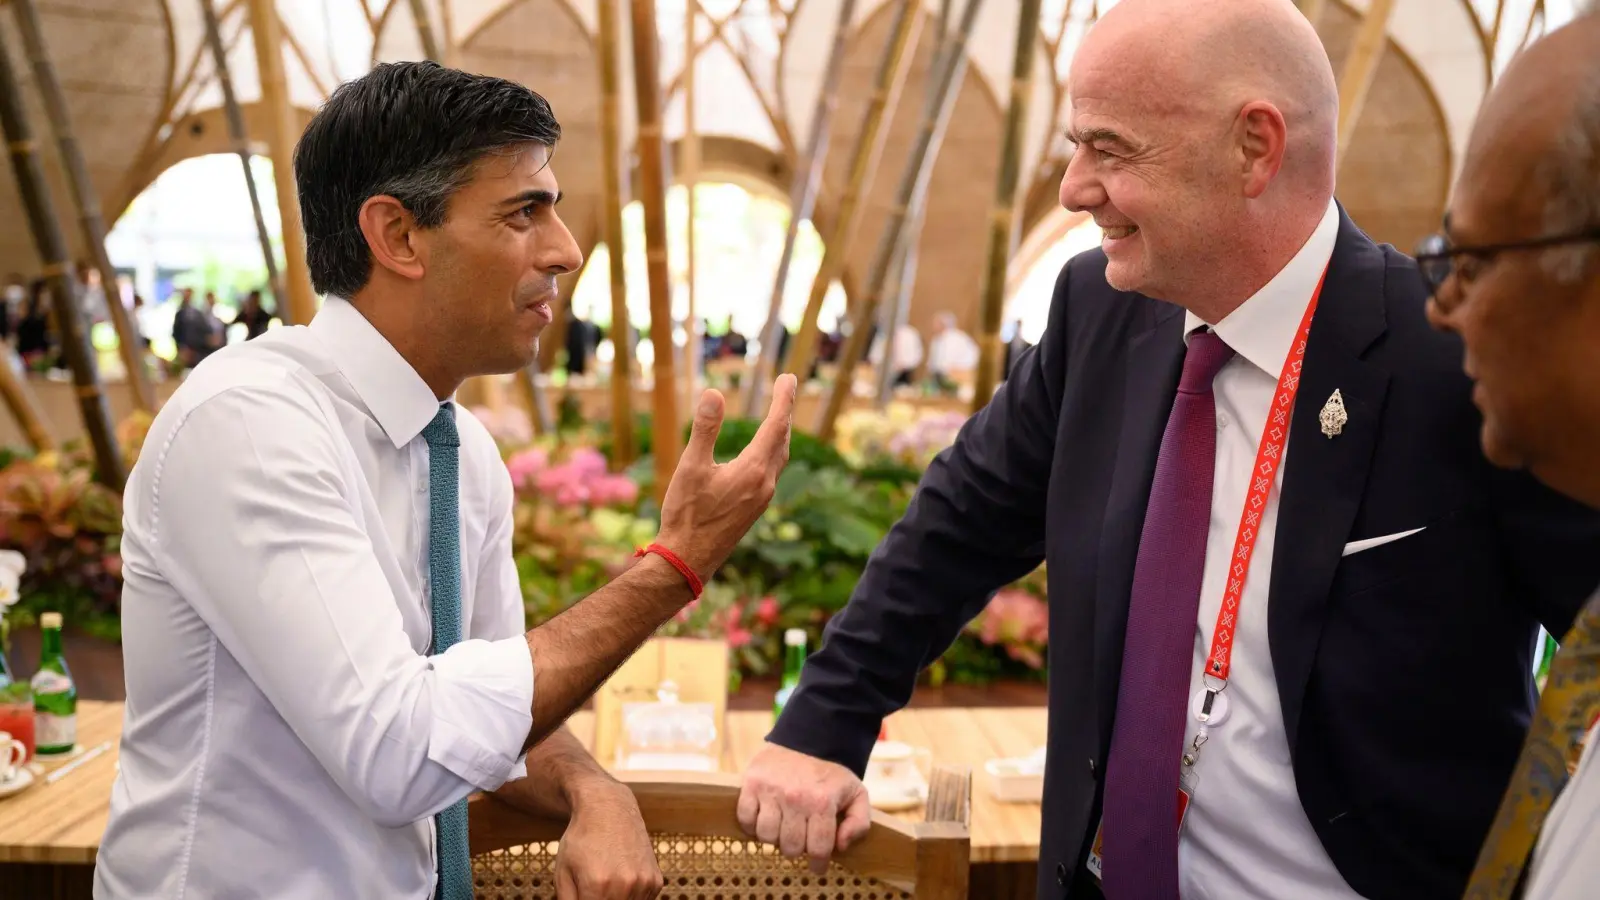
(1369, 543)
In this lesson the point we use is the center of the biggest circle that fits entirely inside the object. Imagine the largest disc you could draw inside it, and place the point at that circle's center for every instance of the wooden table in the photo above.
(50, 833)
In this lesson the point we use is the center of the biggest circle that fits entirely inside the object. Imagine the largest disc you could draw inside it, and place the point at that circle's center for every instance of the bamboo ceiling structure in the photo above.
(141, 87)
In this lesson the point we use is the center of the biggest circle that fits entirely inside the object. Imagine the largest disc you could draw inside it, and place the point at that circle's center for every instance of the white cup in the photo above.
(14, 752)
(896, 763)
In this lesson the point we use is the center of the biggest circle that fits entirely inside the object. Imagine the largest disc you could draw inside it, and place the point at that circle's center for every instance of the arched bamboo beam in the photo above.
(87, 201)
(665, 439)
(1361, 67)
(430, 46)
(623, 447)
(903, 270)
(241, 140)
(914, 182)
(802, 203)
(1003, 219)
(281, 137)
(892, 71)
(24, 152)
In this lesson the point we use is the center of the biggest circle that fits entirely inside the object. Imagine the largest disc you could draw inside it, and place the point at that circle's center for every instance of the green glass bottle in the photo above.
(55, 696)
(1542, 671)
(794, 657)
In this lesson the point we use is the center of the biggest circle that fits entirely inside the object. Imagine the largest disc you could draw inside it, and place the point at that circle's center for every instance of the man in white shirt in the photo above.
(323, 626)
(1517, 274)
(951, 351)
(1292, 607)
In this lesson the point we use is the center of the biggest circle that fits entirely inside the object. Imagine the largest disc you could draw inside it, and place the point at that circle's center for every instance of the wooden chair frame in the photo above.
(928, 860)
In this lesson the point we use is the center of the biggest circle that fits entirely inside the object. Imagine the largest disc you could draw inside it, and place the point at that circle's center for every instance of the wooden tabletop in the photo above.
(63, 822)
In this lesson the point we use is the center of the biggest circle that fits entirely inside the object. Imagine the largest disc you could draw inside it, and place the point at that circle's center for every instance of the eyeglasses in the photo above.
(1436, 256)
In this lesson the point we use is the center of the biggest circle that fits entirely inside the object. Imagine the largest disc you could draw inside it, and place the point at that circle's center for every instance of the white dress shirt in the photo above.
(1565, 865)
(287, 733)
(1246, 836)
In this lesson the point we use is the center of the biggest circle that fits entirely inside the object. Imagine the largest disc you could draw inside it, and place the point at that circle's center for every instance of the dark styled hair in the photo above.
(413, 131)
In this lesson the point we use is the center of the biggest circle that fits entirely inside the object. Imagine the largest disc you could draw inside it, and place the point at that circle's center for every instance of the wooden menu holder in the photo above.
(697, 666)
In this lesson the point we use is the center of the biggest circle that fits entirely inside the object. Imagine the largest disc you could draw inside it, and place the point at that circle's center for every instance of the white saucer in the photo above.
(20, 779)
(897, 796)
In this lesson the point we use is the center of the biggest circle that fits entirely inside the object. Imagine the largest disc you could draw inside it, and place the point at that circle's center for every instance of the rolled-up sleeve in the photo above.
(498, 611)
(257, 523)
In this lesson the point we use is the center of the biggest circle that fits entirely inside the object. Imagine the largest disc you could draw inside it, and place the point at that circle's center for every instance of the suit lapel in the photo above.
(1155, 361)
(1324, 478)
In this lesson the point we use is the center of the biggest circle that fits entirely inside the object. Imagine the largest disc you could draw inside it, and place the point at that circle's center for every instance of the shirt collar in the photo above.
(1262, 329)
(395, 395)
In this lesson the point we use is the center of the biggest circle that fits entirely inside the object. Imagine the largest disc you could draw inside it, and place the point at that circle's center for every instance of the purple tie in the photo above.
(1141, 794)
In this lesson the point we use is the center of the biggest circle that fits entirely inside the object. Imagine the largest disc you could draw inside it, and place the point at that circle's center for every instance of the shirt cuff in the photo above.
(482, 710)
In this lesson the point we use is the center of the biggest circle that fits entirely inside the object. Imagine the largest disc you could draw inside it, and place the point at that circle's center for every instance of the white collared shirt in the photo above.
(1246, 836)
(286, 732)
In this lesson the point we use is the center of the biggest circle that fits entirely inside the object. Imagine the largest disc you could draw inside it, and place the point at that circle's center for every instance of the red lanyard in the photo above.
(1269, 456)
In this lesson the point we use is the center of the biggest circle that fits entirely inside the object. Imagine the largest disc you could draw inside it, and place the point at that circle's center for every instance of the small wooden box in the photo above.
(698, 667)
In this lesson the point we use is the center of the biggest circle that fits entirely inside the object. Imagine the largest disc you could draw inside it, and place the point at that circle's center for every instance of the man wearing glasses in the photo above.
(1517, 275)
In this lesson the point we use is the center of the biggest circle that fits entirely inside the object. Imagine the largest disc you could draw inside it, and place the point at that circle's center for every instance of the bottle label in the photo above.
(55, 731)
(47, 681)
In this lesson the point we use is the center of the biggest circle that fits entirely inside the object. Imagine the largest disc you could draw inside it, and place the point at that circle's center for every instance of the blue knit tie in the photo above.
(444, 577)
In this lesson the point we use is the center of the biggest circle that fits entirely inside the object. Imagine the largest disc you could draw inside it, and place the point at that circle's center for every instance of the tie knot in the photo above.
(441, 432)
(1207, 354)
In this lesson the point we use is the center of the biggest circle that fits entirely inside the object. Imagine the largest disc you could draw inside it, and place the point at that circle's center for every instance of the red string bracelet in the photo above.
(695, 584)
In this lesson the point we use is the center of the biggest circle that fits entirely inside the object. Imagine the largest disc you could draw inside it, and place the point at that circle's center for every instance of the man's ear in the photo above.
(391, 231)
(1263, 137)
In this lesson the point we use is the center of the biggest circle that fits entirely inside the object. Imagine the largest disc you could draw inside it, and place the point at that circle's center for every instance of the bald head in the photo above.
(1207, 60)
(1234, 106)
(1529, 316)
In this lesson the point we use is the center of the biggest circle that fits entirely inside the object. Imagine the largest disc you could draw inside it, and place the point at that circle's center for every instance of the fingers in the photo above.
(747, 809)
(703, 434)
(857, 820)
(771, 443)
(792, 834)
(566, 886)
(819, 839)
(769, 820)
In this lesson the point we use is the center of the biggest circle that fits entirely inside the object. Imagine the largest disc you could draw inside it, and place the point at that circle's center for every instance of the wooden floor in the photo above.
(97, 668)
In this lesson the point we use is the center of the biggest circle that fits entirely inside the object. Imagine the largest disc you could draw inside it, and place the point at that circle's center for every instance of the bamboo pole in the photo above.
(282, 131)
(1360, 67)
(666, 440)
(914, 182)
(802, 202)
(1312, 10)
(29, 170)
(538, 403)
(623, 446)
(447, 23)
(904, 268)
(20, 399)
(241, 142)
(1003, 220)
(694, 348)
(892, 72)
(87, 201)
(430, 47)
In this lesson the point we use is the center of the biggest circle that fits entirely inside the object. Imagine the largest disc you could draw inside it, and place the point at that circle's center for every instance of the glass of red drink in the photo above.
(16, 715)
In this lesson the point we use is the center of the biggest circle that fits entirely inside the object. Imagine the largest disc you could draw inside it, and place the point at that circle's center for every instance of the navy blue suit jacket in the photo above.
(1403, 670)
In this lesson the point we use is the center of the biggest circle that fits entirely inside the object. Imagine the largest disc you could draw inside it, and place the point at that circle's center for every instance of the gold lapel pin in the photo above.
(1333, 415)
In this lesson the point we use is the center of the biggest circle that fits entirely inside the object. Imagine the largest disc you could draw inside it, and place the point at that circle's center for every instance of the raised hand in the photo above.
(709, 507)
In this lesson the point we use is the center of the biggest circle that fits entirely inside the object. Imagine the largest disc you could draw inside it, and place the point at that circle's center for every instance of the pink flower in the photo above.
(526, 465)
(588, 462)
(613, 490)
(684, 614)
(767, 611)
